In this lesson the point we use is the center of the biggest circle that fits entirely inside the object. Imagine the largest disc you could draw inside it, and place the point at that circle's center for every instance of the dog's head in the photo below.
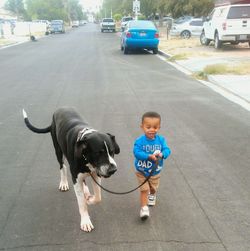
(98, 150)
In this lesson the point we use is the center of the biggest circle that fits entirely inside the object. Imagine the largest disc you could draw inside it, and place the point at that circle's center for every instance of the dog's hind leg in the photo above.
(63, 185)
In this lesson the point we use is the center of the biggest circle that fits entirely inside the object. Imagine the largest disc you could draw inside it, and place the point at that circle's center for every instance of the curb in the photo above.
(13, 44)
(27, 39)
(162, 53)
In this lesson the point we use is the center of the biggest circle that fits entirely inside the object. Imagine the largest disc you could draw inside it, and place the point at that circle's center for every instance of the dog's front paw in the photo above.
(64, 186)
(86, 224)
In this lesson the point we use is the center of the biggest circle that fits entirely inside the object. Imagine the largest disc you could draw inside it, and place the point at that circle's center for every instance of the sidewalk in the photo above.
(234, 87)
(13, 40)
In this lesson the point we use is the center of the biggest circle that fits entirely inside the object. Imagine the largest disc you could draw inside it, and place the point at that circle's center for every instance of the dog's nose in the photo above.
(112, 170)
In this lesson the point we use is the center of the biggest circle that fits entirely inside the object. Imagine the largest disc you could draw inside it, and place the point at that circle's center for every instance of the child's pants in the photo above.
(152, 184)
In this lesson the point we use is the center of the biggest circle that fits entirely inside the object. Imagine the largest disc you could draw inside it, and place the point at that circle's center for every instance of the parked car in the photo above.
(141, 34)
(57, 26)
(124, 22)
(75, 23)
(108, 24)
(227, 23)
(193, 27)
(168, 22)
(183, 19)
(83, 22)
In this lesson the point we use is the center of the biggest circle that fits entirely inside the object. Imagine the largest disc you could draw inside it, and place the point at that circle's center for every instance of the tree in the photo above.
(162, 8)
(117, 17)
(111, 6)
(15, 6)
(66, 10)
(127, 8)
(75, 10)
(149, 8)
(201, 7)
(46, 9)
(189, 7)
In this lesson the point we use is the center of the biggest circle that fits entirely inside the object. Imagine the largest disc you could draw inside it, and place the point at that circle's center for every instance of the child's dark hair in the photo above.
(150, 115)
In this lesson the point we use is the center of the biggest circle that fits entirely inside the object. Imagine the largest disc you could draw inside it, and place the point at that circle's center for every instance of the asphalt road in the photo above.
(204, 196)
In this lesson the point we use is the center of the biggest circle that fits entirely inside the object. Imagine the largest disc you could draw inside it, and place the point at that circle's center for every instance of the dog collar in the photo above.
(83, 132)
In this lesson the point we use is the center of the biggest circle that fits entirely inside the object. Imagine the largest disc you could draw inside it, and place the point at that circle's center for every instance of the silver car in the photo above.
(108, 24)
(192, 27)
(124, 22)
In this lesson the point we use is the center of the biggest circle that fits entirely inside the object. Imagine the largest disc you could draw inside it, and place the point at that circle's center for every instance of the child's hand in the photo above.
(158, 154)
(153, 157)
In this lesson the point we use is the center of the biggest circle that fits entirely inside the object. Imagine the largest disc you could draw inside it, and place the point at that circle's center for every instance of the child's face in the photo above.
(151, 126)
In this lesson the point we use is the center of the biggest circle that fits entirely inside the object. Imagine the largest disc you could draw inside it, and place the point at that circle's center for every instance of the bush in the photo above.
(141, 17)
(117, 17)
(215, 69)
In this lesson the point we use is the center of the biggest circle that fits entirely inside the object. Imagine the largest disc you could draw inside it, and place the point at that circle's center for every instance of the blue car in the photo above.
(140, 34)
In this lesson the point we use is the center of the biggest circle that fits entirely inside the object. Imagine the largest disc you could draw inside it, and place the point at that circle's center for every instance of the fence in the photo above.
(8, 29)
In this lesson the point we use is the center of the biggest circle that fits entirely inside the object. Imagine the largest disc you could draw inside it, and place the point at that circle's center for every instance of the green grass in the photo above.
(216, 69)
(5, 42)
(200, 75)
(223, 69)
(182, 56)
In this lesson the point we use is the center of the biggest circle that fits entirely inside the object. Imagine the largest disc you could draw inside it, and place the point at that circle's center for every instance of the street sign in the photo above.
(136, 6)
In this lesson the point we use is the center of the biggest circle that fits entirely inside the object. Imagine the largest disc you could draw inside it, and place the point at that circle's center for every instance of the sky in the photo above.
(2, 3)
(91, 5)
(87, 4)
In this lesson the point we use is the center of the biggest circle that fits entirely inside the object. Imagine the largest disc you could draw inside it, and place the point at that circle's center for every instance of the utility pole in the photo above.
(136, 8)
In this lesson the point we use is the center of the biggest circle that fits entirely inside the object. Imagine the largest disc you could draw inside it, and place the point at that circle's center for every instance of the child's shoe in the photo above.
(144, 213)
(151, 200)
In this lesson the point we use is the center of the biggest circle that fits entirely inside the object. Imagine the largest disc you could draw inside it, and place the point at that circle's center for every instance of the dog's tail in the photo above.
(33, 128)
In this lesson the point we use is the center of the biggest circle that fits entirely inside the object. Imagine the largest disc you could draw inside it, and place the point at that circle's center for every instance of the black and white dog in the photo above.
(86, 150)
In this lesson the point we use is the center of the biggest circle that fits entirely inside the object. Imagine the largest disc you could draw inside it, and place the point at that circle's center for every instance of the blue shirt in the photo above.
(143, 147)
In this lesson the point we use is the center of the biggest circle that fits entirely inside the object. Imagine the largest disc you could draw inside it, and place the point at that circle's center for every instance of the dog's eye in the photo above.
(101, 152)
(98, 153)
(112, 151)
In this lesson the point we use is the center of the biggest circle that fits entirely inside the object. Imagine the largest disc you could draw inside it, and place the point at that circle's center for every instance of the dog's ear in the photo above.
(80, 146)
(116, 147)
